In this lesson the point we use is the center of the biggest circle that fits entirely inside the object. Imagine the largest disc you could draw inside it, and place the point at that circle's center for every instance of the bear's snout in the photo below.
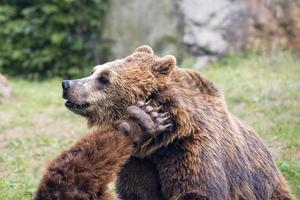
(65, 84)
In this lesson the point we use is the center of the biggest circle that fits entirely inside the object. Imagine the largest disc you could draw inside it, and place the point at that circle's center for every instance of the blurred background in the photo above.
(249, 48)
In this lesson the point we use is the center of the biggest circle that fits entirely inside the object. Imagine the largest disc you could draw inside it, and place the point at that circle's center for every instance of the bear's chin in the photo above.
(80, 108)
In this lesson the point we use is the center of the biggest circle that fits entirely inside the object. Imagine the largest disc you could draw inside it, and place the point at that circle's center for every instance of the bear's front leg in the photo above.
(85, 170)
(187, 174)
(138, 179)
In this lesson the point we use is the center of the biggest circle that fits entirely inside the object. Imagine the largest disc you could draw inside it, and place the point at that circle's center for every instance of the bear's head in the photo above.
(112, 87)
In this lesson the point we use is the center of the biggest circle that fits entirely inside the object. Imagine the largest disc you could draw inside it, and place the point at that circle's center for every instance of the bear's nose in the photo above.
(65, 84)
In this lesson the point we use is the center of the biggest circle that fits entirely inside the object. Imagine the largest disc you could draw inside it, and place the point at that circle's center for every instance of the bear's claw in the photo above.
(149, 118)
(158, 108)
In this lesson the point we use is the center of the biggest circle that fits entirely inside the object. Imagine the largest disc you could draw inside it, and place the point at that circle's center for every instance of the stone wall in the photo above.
(205, 29)
(212, 29)
(275, 24)
(129, 24)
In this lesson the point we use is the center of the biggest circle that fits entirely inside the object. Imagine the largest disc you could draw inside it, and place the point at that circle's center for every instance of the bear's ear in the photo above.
(165, 65)
(144, 49)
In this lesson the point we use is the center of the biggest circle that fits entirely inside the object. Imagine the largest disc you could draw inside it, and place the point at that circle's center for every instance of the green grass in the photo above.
(262, 90)
(34, 127)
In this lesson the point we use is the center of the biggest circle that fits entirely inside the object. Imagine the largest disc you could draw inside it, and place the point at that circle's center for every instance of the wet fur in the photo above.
(84, 170)
(209, 154)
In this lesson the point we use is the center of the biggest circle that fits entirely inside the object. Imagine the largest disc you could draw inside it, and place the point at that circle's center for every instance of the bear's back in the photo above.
(248, 167)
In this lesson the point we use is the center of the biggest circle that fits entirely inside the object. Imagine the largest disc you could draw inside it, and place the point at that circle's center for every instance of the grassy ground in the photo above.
(262, 90)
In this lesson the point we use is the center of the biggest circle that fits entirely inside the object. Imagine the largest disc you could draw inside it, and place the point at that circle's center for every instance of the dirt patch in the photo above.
(5, 89)
(10, 134)
(43, 125)
(276, 148)
(48, 126)
(2, 171)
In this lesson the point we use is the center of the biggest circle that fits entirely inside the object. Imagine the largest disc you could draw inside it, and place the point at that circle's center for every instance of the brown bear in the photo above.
(85, 170)
(207, 153)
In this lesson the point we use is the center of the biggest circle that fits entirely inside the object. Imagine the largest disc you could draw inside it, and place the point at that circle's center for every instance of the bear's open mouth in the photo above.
(76, 106)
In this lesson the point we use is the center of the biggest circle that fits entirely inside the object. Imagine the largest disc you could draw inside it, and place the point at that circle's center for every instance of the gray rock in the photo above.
(205, 29)
(133, 23)
(214, 28)
(203, 61)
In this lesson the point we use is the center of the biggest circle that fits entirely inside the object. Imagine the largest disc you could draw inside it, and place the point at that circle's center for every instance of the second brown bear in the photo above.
(84, 171)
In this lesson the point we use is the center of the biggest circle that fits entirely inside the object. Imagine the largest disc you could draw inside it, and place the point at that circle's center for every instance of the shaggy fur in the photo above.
(208, 153)
(85, 170)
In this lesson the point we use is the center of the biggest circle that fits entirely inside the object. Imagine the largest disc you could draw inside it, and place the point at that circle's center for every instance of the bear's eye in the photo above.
(103, 80)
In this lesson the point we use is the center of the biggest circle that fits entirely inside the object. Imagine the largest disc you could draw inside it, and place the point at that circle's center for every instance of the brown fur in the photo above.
(211, 154)
(208, 154)
(84, 170)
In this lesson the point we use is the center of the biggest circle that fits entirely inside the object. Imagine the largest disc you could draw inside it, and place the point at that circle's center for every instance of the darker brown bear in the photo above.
(208, 153)
(84, 171)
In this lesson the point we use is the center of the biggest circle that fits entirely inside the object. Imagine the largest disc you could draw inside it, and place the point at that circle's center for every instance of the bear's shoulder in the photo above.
(193, 80)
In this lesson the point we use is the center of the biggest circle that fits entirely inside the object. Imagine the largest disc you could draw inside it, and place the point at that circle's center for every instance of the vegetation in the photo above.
(262, 90)
(46, 38)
